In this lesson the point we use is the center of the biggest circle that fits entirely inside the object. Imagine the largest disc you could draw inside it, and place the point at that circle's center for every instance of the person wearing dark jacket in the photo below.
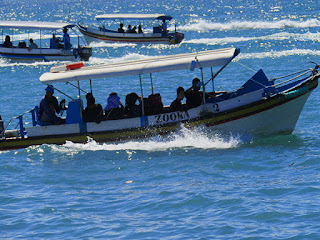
(93, 111)
(176, 105)
(49, 107)
(193, 96)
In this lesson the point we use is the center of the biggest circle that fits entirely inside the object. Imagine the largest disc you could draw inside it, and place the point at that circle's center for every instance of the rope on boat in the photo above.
(246, 66)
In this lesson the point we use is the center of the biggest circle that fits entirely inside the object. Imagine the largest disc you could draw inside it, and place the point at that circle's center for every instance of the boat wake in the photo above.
(204, 25)
(183, 139)
(111, 45)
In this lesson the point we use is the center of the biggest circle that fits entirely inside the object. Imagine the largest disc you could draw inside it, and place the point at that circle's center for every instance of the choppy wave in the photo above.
(184, 139)
(204, 25)
(277, 37)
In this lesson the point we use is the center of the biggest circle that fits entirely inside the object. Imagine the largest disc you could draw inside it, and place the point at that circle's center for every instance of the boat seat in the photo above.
(36, 109)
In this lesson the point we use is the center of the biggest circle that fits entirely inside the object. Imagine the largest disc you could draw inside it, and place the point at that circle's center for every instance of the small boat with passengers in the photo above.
(159, 34)
(261, 106)
(57, 49)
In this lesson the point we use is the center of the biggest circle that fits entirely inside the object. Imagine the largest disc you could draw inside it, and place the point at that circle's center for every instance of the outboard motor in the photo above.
(1, 128)
(84, 53)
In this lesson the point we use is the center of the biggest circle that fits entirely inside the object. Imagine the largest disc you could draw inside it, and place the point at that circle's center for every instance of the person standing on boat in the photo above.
(193, 96)
(164, 27)
(66, 39)
(120, 29)
(49, 107)
(7, 43)
(176, 105)
(32, 45)
(140, 29)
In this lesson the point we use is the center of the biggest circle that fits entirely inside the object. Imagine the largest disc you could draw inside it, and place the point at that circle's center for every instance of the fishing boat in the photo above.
(158, 35)
(21, 52)
(261, 106)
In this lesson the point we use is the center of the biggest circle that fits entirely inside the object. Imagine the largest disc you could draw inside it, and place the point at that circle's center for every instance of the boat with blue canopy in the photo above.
(18, 50)
(159, 34)
(262, 106)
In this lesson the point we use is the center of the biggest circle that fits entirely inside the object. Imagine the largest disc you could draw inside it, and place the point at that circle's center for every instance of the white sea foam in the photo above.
(127, 57)
(278, 54)
(111, 45)
(204, 25)
(277, 37)
(184, 139)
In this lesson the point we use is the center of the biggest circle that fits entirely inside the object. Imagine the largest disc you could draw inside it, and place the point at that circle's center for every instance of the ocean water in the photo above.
(190, 184)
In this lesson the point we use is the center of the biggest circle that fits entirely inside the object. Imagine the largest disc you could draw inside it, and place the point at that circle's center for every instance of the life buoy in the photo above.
(75, 65)
(66, 67)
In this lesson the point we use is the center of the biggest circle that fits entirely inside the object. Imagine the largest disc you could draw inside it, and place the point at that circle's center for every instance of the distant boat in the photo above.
(259, 107)
(102, 34)
(22, 52)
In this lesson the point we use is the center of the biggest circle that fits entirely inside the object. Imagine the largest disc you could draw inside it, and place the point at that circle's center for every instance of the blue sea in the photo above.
(190, 184)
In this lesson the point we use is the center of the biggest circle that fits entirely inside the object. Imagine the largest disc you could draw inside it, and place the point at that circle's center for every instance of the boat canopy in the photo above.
(134, 16)
(150, 65)
(35, 25)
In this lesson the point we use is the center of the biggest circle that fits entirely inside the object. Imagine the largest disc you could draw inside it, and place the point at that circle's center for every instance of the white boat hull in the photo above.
(281, 119)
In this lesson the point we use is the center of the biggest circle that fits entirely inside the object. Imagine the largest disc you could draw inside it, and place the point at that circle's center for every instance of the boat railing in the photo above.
(300, 74)
(20, 124)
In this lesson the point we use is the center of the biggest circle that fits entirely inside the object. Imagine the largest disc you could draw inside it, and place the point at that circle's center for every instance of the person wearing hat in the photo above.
(49, 107)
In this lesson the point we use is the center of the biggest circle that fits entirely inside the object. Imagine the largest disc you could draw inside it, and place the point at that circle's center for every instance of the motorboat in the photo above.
(18, 50)
(157, 35)
(262, 106)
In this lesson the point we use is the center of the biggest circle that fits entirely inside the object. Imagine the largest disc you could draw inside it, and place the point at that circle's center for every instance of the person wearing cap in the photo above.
(93, 111)
(49, 107)
(193, 95)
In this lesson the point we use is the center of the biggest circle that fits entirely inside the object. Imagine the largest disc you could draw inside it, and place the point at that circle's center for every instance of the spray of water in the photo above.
(183, 139)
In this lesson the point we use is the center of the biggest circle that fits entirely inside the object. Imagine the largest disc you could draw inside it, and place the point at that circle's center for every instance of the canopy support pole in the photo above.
(141, 95)
(151, 83)
(40, 43)
(90, 86)
(79, 89)
(204, 88)
(62, 92)
(76, 87)
(212, 79)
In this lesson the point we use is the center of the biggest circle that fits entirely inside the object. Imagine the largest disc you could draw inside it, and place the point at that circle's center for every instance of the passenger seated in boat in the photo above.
(164, 27)
(22, 44)
(32, 45)
(120, 29)
(131, 109)
(114, 109)
(129, 29)
(7, 43)
(176, 105)
(54, 42)
(133, 30)
(49, 107)
(66, 39)
(93, 111)
(154, 104)
(193, 96)
(140, 29)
